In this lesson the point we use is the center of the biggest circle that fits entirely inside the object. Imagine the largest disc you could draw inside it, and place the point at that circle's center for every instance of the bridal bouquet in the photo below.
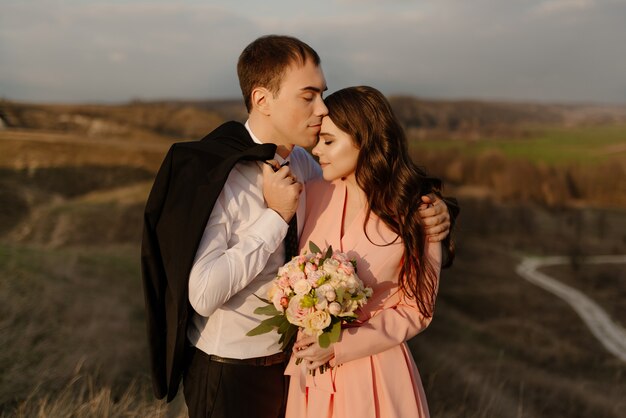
(315, 292)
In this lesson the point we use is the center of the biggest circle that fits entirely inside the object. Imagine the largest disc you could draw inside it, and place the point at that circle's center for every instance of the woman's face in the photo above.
(336, 152)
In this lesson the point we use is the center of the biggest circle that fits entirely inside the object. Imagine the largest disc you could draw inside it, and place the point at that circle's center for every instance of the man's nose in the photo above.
(321, 109)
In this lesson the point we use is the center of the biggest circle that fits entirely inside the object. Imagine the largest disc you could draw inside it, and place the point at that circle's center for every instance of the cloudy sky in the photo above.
(118, 50)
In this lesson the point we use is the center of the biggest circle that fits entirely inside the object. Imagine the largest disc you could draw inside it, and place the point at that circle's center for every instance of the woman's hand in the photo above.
(314, 356)
(436, 217)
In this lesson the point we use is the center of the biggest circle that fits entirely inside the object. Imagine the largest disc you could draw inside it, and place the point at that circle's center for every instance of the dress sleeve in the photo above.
(388, 328)
(221, 270)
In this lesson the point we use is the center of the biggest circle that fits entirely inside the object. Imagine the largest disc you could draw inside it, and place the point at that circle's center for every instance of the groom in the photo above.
(214, 227)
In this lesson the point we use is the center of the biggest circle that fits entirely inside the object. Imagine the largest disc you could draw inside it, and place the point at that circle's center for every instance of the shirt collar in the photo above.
(258, 141)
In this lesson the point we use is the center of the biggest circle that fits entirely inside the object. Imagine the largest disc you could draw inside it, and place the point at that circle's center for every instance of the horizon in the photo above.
(239, 100)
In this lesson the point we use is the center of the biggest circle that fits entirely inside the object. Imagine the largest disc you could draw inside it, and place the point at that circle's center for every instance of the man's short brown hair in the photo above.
(264, 62)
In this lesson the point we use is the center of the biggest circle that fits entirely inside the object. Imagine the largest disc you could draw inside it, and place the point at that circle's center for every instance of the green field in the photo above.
(555, 146)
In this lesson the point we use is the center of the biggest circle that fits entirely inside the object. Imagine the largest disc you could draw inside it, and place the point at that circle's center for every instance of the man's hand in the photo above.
(281, 190)
(436, 218)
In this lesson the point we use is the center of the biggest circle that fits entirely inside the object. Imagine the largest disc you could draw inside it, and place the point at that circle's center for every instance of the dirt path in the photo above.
(610, 334)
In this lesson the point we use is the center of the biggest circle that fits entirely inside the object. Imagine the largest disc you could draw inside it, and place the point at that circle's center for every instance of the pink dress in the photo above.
(377, 376)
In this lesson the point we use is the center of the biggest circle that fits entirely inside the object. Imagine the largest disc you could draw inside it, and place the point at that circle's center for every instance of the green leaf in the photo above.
(266, 325)
(267, 310)
(289, 336)
(323, 280)
(314, 248)
(329, 252)
(260, 329)
(324, 339)
(340, 292)
(331, 336)
(261, 299)
(275, 320)
(282, 328)
(308, 301)
(335, 332)
(353, 264)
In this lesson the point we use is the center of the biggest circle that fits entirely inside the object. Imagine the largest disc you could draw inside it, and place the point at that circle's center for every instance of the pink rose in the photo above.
(347, 268)
(283, 282)
(340, 257)
(295, 312)
(314, 276)
(295, 277)
(309, 268)
(276, 298)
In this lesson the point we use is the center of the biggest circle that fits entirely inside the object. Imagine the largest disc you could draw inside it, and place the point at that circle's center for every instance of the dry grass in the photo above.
(73, 336)
(81, 398)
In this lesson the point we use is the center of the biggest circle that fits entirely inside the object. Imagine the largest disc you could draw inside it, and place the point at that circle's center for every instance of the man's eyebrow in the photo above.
(314, 89)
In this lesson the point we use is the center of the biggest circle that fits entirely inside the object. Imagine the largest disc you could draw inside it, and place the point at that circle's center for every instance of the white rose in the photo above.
(302, 287)
(315, 322)
(351, 284)
(330, 295)
(335, 281)
(321, 304)
(331, 265)
(334, 308)
(326, 287)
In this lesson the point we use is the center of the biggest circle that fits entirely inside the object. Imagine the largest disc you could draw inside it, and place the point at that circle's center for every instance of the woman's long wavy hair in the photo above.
(391, 181)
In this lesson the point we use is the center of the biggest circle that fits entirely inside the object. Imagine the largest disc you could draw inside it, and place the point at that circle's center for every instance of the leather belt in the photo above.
(256, 361)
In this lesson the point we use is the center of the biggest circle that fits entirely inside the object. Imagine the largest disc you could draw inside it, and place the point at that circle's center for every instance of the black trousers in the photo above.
(220, 390)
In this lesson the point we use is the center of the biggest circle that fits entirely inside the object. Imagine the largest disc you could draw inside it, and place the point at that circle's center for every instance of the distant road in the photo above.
(610, 334)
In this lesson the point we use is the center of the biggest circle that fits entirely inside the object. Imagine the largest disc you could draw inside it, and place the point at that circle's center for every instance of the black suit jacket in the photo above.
(186, 187)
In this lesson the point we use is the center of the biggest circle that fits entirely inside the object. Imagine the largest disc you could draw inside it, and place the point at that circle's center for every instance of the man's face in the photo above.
(297, 110)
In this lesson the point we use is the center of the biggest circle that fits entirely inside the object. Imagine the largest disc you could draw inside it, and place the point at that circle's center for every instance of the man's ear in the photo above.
(261, 100)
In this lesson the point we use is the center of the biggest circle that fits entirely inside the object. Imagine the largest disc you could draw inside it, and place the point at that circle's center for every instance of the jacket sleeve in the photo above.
(154, 279)
(388, 328)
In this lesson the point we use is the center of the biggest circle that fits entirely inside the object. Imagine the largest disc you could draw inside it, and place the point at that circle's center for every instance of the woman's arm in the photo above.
(383, 331)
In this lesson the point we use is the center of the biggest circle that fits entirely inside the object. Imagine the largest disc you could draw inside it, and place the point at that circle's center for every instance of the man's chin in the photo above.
(308, 142)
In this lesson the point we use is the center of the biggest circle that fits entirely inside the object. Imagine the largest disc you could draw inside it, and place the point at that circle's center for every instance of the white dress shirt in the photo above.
(239, 254)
